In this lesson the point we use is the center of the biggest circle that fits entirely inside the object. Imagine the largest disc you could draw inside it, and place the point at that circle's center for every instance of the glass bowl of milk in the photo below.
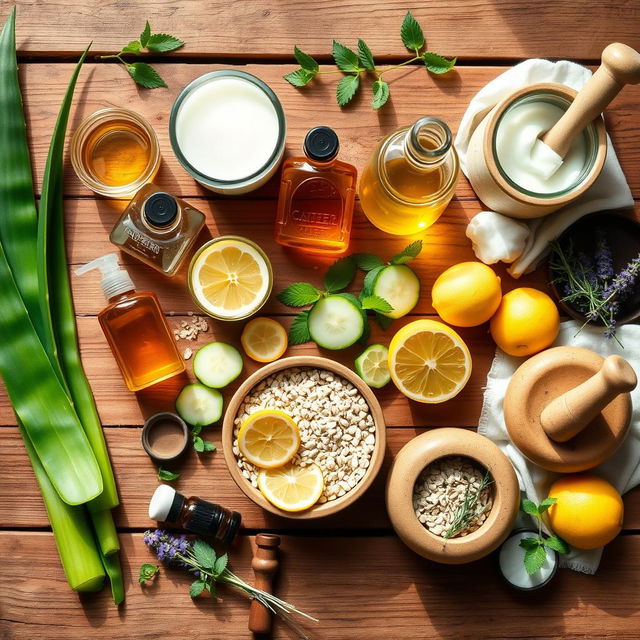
(228, 129)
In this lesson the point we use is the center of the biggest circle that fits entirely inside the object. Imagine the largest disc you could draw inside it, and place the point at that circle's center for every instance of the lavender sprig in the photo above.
(201, 560)
(622, 285)
(603, 258)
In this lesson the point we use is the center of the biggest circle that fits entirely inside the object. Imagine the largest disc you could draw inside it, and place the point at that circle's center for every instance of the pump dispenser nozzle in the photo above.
(115, 280)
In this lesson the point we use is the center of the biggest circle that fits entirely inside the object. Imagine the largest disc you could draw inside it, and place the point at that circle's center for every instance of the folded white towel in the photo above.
(609, 191)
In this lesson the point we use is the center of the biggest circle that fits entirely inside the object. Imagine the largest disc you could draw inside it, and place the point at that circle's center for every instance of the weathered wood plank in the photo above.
(370, 587)
(246, 29)
(206, 476)
(414, 94)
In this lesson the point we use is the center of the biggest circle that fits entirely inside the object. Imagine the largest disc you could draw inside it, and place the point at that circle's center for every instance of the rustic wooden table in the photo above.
(350, 570)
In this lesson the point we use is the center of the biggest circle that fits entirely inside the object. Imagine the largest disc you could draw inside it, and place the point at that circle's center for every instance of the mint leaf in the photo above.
(380, 94)
(437, 63)
(196, 429)
(144, 36)
(340, 274)
(220, 565)
(408, 253)
(299, 329)
(545, 504)
(196, 588)
(198, 444)
(365, 56)
(204, 554)
(351, 298)
(299, 77)
(299, 294)
(167, 476)
(534, 559)
(163, 42)
(147, 571)
(145, 75)
(209, 446)
(530, 507)
(411, 33)
(305, 60)
(369, 280)
(557, 544)
(346, 59)
(384, 321)
(133, 47)
(367, 261)
(530, 543)
(347, 88)
(376, 303)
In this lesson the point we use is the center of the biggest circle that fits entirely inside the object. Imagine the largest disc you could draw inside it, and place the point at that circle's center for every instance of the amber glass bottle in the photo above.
(317, 192)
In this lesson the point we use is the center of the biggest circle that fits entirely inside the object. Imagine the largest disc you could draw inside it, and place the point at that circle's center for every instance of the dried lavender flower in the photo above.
(623, 284)
(603, 257)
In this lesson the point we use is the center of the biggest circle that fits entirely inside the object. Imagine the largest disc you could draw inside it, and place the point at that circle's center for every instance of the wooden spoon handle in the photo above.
(620, 66)
(265, 565)
(567, 415)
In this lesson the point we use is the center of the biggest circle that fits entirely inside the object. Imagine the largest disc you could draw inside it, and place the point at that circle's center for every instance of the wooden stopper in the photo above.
(264, 565)
(620, 66)
(570, 413)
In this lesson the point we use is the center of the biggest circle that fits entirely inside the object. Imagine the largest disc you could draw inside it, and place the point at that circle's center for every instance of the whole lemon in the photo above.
(527, 321)
(466, 294)
(588, 513)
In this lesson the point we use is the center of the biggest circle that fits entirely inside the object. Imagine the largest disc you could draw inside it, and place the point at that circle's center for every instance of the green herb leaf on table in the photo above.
(365, 56)
(212, 590)
(530, 508)
(204, 554)
(545, 504)
(220, 564)
(198, 444)
(145, 75)
(197, 588)
(133, 47)
(438, 64)
(340, 274)
(144, 36)
(299, 294)
(163, 42)
(380, 94)
(165, 475)
(376, 303)
(557, 544)
(305, 61)
(367, 261)
(299, 330)
(411, 33)
(196, 429)
(347, 88)
(209, 446)
(534, 558)
(369, 280)
(299, 77)
(147, 572)
(346, 59)
(408, 253)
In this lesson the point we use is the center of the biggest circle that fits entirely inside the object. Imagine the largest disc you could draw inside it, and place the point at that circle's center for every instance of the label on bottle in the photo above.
(143, 241)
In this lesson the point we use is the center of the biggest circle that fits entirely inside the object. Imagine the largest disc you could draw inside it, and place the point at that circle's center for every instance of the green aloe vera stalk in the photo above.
(114, 571)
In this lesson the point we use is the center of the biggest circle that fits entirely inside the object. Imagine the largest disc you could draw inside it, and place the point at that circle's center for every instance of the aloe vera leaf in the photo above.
(114, 571)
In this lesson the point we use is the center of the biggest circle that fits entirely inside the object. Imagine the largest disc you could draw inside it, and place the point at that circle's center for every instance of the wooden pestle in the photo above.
(620, 66)
(567, 415)
(264, 565)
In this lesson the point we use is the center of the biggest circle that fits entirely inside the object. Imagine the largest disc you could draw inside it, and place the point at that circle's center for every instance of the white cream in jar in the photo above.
(517, 133)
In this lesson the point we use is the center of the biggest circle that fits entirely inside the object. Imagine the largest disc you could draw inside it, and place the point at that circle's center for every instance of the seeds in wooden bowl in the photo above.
(452, 497)
(337, 430)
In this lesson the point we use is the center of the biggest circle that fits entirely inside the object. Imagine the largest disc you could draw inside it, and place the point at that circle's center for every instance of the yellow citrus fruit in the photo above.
(527, 321)
(466, 294)
(588, 512)
(230, 278)
(292, 488)
(428, 361)
(264, 339)
(269, 438)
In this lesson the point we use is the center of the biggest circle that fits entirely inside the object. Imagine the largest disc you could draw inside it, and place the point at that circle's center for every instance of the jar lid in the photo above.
(321, 144)
(160, 209)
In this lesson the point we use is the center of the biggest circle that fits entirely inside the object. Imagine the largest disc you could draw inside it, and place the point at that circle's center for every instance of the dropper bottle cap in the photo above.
(115, 280)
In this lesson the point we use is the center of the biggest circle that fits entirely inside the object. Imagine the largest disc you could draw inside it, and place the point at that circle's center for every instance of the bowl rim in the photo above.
(317, 362)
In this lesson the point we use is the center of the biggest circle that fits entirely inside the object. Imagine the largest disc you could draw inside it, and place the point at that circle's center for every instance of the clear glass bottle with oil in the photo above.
(158, 229)
(317, 193)
(135, 328)
(410, 178)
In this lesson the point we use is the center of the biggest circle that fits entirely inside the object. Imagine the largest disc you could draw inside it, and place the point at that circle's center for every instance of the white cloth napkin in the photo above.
(609, 191)
(622, 470)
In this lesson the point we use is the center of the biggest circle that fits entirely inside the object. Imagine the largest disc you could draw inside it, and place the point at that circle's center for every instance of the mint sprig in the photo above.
(199, 443)
(147, 572)
(142, 73)
(164, 475)
(534, 546)
(355, 63)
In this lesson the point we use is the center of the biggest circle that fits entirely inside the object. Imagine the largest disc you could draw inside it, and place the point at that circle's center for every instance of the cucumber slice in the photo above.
(372, 365)
(217, 364)
(400, 287)
(199, 405)
(335, 322)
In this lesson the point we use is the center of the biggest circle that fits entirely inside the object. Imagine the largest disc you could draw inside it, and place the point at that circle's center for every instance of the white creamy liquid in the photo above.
(512, 563)
(518, 132)
(227, 128)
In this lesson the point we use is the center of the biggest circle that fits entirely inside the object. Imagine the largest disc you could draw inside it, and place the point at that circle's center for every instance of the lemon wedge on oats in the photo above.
(429, 362)
(292, 488)
(230, 278)
(269, 438)
(264, 339)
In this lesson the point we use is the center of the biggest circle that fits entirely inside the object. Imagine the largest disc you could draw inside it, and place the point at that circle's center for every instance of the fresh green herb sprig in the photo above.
(353, 64)
(534, 546)
(142, 73)
(164, 475)
(468, 511)
(147, 572)
(199, 443)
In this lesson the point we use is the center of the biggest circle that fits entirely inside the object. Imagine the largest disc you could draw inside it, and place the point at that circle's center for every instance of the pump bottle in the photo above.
(135, 327)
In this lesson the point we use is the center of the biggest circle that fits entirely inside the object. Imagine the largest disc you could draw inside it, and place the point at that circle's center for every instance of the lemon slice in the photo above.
(230, 278)
(292, 488)
(264, 339)
(428, 361)
(269, 438)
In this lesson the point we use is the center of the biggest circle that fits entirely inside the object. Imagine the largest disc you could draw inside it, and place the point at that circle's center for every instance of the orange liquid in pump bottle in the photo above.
(135, 328)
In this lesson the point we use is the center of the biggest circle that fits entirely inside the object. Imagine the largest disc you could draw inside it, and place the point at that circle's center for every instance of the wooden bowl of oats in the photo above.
(340, 421)
(452, 495)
